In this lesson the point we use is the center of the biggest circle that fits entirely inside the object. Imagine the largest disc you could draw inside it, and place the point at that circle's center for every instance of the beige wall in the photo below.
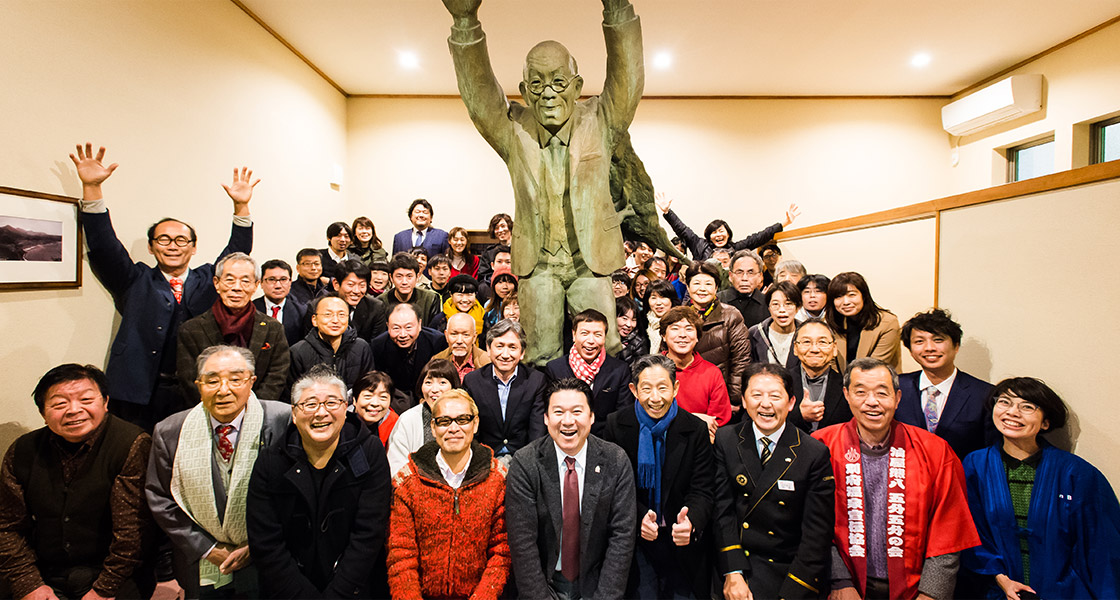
(741, 160)
(179, 93)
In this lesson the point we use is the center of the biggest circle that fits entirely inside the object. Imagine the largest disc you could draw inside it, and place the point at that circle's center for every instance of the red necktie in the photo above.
(177, 288)
(275, 311)
(225, 446)
(569, 545)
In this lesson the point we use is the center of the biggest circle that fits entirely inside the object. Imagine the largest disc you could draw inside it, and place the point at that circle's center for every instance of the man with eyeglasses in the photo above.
(745, 292)
(152, 301)
(198, 474)
(558, 151)
(276, 284)
(817, 387)
(318, 503)
(332, 342)
(447, 532)
(902, 516)
(233, 320)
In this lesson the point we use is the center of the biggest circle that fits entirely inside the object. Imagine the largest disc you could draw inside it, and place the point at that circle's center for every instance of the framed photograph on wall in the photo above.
(40, 241)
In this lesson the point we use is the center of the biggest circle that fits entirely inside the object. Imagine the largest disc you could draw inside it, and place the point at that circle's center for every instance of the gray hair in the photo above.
(650, 361)
(205, 355)
(791, 265)
(751, 254)
(319, 374)
(220, 268)
(869, 364)
(503, 327)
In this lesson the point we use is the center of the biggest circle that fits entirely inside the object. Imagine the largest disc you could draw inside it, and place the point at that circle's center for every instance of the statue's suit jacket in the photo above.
(597, 124)
(534, 519)
(189, 541)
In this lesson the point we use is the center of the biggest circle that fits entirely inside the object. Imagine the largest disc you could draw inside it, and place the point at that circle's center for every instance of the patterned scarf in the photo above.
(192, 484)
(584, 370)
(651, 452)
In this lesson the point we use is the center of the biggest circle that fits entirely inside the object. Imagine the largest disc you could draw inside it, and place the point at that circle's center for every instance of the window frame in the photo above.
(1012, 154)
(1096, 139)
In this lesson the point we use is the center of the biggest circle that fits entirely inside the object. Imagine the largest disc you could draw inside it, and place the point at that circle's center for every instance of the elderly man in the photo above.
(72, 516)
(198, 475)
(153, 301)
(453, 479)
(318, 503)
(745, 292)
(558, 151)
(332, 342)
(461, 349)
(367, 313)
(570, 505)
(818, 389)
(235, 321)
(941, 398)
(774, 487)
(404, 270)
(671, 454)
(510, 395)
(422, 234)
(902, 517)
(276, 285)
(588, 361)
(403, 350)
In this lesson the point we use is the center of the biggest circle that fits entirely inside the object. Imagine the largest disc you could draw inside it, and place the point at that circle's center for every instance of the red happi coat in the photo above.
(933, 505)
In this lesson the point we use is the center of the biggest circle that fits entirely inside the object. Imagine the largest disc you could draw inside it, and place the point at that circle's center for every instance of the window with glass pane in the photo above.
(1031, 160)
(1106, 140)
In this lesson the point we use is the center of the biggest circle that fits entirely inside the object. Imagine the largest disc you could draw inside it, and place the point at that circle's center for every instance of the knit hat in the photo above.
(502, 270)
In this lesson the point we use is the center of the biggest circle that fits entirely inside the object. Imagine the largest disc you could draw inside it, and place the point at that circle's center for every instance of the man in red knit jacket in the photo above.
(447, 532)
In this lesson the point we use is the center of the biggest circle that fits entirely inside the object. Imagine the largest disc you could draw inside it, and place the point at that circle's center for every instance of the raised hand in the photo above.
(791, 213)
(682, 529)
(90, 169)
(649, 526)
(241, 191)
(812, 411)
(462, 9)
(662, 202)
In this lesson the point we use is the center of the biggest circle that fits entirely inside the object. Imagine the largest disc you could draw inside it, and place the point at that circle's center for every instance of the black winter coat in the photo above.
(351, 361)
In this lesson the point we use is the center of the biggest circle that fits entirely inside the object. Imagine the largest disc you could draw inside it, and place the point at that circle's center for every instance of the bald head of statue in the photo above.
(551, 84)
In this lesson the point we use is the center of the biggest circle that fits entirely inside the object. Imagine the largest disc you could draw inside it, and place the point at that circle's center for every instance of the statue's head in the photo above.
(551, 84)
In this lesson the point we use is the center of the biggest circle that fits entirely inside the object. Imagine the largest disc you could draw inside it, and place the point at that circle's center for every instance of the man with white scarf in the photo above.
(198, 474)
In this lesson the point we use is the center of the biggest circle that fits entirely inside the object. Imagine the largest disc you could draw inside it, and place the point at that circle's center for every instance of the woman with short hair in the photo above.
(702, 389)
(660, 297)
(772, 339)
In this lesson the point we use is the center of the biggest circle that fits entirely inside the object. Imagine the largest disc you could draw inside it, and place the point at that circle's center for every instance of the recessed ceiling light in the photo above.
(920, 60)
(663, 60)
(408, 60)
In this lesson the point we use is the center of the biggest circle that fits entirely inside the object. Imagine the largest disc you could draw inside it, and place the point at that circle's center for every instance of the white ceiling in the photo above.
(720, 47)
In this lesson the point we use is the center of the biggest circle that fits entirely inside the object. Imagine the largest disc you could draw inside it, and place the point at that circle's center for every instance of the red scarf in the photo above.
(584, 370)
(927, 509)
(236, 326)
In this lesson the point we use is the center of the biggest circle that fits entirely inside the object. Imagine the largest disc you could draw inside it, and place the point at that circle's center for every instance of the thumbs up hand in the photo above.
(682, 529)
(649, 526)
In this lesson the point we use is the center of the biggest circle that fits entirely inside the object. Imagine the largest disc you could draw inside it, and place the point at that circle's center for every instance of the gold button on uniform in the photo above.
(746, 525)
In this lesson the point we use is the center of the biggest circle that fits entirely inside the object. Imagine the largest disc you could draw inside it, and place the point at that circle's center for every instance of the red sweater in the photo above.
(446, 543)
(703, 390)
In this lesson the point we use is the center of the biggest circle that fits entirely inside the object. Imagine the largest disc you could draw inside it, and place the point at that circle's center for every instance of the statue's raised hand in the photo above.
(463, 9)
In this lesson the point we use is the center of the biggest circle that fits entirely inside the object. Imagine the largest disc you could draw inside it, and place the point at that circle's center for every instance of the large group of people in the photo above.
(373, 426)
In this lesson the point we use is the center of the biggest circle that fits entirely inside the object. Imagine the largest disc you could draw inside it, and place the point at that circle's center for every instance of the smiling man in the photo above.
(774, 487)
(276, 285)
(404, 272)
(332, 342)
(234, 320)
(817, 386)
(403, 350)
(588, 361)
(941, 398)
(561, 489)
(422, 234)
(198, 475)
(368, 315)
(671, 454)
(902, 517)
(153, 301)
(318, 500)
(72, 513)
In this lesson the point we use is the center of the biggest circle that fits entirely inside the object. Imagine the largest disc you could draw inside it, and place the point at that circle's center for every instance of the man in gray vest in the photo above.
(198, 475)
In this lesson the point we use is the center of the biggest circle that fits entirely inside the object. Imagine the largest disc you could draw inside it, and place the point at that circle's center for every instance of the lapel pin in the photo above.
(596, 468)
(741, 479)
(789, 460)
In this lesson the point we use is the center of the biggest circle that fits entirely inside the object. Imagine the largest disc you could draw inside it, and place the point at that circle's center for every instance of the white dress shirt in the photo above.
(924, 384)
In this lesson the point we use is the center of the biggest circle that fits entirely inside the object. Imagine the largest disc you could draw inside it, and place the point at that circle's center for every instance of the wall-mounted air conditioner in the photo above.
(1003, 101)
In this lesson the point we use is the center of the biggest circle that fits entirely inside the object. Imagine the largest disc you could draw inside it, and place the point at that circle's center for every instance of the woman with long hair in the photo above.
(863, 328)
(365, 243)
(459, 251)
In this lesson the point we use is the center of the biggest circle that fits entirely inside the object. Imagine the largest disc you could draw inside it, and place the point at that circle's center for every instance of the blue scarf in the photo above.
(651, 452)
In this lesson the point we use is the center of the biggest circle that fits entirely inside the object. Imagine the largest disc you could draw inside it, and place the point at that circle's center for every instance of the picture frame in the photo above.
(40, 241)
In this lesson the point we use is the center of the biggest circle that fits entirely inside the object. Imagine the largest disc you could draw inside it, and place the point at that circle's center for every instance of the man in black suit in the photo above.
(941, 398)
(509, 395)
(403, 350)
(774, 504)
(276, 283)
(745, 292)
(368, 315)
(670, 451)
(570, 513)
(817, 387)
(587, 360)
(310, 281)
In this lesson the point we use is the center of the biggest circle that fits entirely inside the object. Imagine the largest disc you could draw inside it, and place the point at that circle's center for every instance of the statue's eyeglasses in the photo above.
(558, 85)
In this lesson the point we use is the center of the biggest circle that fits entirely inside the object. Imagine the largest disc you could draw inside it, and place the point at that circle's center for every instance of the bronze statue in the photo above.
(559, 151)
